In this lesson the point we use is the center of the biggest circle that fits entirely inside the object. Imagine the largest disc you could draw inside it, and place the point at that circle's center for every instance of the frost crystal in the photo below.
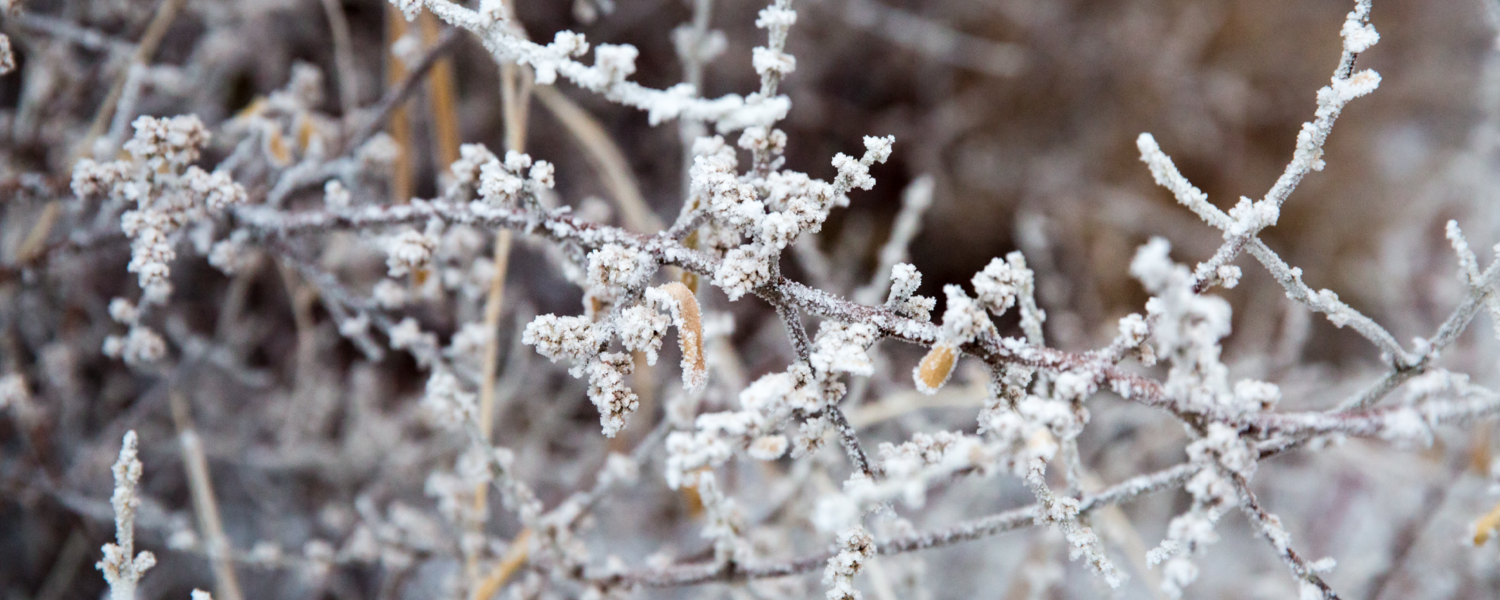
(139, 347)
(1001, 282)
(768, 447)
(1082, 541)
(410, 252)
(423, 345)
(167, 194)
(556, 338)
(1358, 35)
(641, 329)
(7, 58)
(963, 319)
(505, 183)
(122, 567)
(614, 269)
(856, 548)
(1189, 327)
(447, 402)
(608, 392)
(841, 348)
(13, 392)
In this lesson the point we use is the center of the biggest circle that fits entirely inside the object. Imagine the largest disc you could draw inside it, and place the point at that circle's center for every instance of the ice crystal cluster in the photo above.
(414, 318)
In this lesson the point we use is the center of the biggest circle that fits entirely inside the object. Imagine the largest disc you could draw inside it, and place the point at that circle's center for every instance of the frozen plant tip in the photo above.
(856, 548)
(121, 565)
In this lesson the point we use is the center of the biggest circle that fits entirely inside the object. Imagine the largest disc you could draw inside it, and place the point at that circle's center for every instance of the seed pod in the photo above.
(935, 368)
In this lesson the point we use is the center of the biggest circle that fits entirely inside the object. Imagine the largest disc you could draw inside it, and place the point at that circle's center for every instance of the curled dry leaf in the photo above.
(689, 321)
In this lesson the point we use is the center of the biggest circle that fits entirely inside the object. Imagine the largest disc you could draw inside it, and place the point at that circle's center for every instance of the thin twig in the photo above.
(373, 118)
(205, 504)
(343, 55)
(1027, 516)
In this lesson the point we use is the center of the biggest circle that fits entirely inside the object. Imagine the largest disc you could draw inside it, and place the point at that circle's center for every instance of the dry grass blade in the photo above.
(606, 158)
(399, 122)
(689, 322)
(205, 504)
(515, 556)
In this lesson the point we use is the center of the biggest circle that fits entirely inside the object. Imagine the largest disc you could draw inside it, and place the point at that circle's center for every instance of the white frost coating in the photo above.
(963, 319)
(614, 269)
(409, 252)
(1222, 454)
(1062, 512)
(689, 452)
(1013, 441)
(764, 406)
(767, 405)
(793, 204)
(905, 279)
(856, 548)
(607, 76)
(841, 348)
(423, 345)
(772, 62)
(1072, 386)
(768, 447)
(722, 521)
(467, 170)
(166, 193)
(122, 567)
(447, 403)
(1188, 330)
(1358, 35)
(504, 183)
(557, 338)
(1166, 175)
(7, 58)
(641, 329)
(608, 392)
(140, 346)
(14, 393)
(1469, 270)
(1001, 282)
